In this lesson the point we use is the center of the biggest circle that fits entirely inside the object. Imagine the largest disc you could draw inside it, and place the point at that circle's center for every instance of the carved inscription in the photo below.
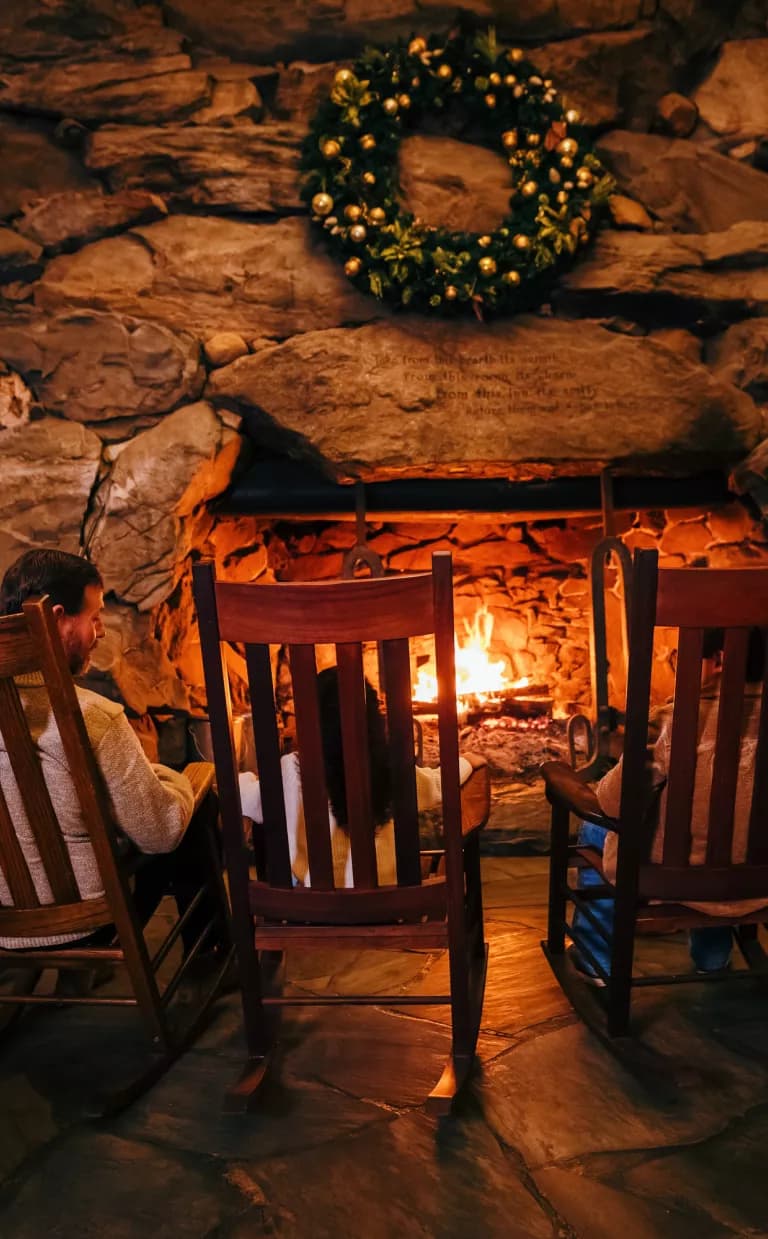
(493, 383)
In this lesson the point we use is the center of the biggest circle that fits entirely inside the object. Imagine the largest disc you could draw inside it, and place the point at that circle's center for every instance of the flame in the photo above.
(476, 675)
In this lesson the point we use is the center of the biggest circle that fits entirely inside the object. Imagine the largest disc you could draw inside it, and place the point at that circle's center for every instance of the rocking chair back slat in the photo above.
(33, 791)
(312, 765)
(725, 772)
(757, 839)
(682, 766)
(402, 761)
(357, 772)
(267, 744)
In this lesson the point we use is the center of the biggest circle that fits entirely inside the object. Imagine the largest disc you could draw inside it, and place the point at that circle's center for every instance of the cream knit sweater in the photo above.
(151, 804)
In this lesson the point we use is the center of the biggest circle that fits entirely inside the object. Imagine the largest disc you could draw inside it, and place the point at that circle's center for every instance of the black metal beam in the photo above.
(286, 489)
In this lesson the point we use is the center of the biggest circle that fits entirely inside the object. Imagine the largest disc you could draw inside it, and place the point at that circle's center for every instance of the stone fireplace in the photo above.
(169, 331)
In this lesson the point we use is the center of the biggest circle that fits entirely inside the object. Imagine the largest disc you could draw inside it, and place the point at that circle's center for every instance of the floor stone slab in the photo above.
(427, 1182)
(96, 1184)
(563, 1094)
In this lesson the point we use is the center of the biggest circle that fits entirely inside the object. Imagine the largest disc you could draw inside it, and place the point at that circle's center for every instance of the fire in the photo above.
(476, 675)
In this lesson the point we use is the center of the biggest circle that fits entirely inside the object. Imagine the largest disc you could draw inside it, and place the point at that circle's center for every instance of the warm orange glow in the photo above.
(476, 675)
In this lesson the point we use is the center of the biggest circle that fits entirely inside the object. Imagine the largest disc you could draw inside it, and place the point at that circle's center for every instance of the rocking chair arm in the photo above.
(201, 776)
(475, 796)
(565, 788)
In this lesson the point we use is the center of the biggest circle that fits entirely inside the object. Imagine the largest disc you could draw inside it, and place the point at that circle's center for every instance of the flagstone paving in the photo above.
(559, 1135)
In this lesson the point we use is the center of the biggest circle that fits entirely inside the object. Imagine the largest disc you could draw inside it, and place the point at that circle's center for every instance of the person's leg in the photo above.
(181, 873)
(593, 836)
(192, 864)
(711, 947)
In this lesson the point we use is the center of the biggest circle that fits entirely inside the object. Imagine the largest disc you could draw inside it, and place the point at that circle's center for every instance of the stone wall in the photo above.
(163, 308)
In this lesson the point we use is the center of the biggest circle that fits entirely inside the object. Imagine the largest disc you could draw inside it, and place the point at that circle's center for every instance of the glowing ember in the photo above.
(476, 675)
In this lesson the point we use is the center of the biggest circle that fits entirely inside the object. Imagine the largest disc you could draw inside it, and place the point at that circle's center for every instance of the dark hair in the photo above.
(330, 726)
(714, 640)
(62, 576)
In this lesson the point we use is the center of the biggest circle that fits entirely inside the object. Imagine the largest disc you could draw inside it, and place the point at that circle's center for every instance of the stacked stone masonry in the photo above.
(164, 313)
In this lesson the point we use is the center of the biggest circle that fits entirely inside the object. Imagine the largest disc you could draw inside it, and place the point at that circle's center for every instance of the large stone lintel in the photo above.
(535, 397)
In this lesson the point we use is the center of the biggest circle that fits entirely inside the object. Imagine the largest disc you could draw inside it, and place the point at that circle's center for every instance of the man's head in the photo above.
(76, 591)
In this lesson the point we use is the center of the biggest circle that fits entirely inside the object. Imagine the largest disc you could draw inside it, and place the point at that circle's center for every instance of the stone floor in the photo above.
(558, 1135)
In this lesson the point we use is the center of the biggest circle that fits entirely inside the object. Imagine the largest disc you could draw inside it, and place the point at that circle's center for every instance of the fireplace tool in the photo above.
(362, 555)
(589, 741)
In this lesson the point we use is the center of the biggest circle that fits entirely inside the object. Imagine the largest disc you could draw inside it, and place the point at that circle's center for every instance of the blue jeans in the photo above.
(710, 948)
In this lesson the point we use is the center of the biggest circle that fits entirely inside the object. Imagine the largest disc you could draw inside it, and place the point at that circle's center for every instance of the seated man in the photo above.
(152, 805)
(711, 946)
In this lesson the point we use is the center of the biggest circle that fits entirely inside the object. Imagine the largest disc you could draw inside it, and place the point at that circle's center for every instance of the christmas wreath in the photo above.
(488, 94)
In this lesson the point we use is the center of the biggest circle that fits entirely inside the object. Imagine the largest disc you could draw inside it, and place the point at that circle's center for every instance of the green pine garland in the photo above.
(558, 193)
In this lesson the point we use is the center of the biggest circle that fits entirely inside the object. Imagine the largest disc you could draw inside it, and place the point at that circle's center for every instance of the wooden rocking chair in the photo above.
(29, 642)
(653, 896)
(269, 912)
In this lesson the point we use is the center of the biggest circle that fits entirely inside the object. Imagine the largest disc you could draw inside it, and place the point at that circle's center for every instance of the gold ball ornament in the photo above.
(367, 142)
(417, 46)
(529, 188)
(352, 267)
(515, 55)
(390, 107)
(521, 241)
(573, 116)
(510, 80)
(562, 197)
(566, 162)
(451, 292)
(322, 204)
(353, 212)
(484, 241)
(568, 146)
(343, 77)
(512, 277)
(487, 265)
(331, 149)
(584, 177)
(377, 216)
(445, 72)
(509, 139)
(494, 79)
(490, 101)
(404, 101)
(369, 178)
(533, 139)
(357, 233)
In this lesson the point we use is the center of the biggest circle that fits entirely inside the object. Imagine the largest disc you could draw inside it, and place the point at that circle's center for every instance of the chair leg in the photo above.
(259, 1021)
(474, 894)
(749, 945)
(619, 992)
(466, 1012)
(558, 876)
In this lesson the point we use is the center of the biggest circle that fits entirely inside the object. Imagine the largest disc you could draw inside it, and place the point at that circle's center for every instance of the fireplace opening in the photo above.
(522, 597)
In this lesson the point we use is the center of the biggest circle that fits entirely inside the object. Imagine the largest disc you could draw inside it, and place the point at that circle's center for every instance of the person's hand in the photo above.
(476, 760)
